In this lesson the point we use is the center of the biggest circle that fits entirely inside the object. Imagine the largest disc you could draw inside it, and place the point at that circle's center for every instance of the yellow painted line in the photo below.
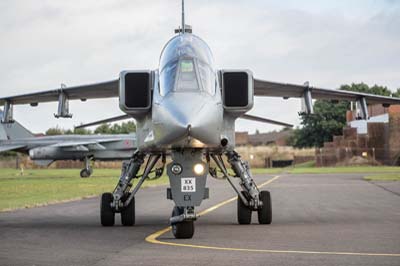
(153, 238)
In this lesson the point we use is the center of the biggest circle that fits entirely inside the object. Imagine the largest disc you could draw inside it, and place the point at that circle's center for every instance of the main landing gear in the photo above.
(122, 200)
(250, 198)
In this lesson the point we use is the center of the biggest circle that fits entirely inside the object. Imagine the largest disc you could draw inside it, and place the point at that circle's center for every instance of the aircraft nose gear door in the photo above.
(187, 175)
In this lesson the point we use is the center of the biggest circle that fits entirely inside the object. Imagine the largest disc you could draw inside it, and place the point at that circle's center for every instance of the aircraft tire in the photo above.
(265, 213)
(183, 229)
(84, 173)
(243, 212)
(107, 215)
(128, 214)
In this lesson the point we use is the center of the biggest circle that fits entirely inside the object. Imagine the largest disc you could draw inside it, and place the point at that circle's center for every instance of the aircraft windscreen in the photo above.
(186, 64)
(187, 75)
(187, 78)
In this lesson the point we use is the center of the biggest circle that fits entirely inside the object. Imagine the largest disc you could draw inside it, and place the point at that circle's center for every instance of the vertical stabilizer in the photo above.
(13, 130)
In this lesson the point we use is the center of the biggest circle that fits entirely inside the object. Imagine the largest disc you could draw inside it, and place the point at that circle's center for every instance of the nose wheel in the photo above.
(183, 229)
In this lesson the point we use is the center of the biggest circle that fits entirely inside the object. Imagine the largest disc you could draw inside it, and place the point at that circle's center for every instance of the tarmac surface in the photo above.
(330, 219)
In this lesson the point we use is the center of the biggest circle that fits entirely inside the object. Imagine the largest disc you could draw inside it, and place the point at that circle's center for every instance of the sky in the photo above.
(328, 43)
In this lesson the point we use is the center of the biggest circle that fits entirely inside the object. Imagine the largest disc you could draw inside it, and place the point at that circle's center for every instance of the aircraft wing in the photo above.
(104, 121)
(284, 90)
(86, 145)
(79, 146)
(4, 148)
(83, 92)
(265, 120)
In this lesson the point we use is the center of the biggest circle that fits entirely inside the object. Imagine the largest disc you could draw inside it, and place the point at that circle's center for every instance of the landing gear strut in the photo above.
(250, 198)
(122, 200)
(88, 170)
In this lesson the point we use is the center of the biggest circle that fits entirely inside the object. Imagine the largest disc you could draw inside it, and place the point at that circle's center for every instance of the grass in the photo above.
(305, 164)
(384, 177)
(41, 187)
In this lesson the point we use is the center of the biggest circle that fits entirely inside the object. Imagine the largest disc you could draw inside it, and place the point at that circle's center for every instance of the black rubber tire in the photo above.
(243, 212)
(265, 213)
(182, 230)
(84, 173)
(128, 214)
(107, 215)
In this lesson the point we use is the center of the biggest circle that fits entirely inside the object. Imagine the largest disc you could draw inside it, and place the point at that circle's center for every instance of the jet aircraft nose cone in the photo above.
(184, 115)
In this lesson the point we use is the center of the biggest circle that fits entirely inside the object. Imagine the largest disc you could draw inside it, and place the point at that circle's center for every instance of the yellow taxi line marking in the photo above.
(153, 238)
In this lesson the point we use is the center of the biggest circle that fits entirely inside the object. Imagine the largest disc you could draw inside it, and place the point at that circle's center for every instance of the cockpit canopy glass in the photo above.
(186, 64)
(187, 78)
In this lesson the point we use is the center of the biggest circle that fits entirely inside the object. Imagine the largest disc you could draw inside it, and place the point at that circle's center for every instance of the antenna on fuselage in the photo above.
(183, 28)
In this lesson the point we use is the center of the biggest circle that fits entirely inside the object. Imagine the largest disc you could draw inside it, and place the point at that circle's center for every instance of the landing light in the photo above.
(198, 169)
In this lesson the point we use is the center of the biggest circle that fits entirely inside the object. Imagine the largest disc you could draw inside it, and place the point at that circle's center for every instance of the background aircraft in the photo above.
(47, 149)
(186, 109)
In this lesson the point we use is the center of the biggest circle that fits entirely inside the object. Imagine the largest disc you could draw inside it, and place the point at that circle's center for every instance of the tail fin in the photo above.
(13, 130)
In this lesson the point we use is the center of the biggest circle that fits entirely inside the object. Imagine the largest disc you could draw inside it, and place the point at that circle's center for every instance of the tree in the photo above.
(103, 129)
(81, 131)
(328, 119)
(128, 127)
(54, 131)
(364, 88)
(124, 128)
(397, 93)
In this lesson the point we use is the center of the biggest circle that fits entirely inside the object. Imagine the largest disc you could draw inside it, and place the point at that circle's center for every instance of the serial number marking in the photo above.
(188, 184)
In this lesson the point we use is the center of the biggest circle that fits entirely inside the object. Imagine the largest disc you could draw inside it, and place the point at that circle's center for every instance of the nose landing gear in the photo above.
(182, 229)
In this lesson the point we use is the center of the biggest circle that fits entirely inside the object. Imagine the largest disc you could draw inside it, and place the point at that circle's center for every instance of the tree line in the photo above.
(123, 128)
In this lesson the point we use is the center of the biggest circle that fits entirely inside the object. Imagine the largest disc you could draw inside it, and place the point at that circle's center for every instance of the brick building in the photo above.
(377, 139)
(261, 139)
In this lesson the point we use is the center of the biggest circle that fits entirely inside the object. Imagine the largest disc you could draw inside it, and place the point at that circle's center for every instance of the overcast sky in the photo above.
(329, 43)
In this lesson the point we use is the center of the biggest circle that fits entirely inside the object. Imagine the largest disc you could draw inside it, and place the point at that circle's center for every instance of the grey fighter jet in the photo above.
(186, 110)
(47, 149)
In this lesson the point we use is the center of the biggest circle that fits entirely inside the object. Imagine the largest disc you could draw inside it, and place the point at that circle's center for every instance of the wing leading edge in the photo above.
(105, 89)
(307, 93)
(285, 90)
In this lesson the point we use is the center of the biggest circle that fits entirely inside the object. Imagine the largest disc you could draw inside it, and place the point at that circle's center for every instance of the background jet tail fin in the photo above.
(13, 130)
